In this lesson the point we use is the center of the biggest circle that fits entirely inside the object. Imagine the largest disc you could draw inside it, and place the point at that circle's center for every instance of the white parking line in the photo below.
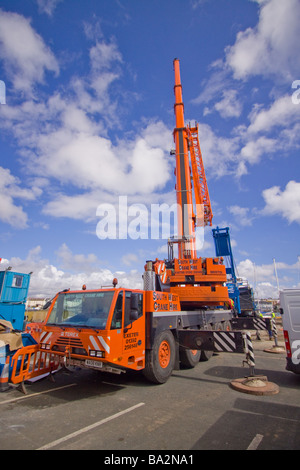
(23, 397)
(88, 428)
(255, 442)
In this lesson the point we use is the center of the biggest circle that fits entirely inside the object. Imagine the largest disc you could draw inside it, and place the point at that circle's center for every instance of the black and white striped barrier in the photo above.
(249, 323)
(276, 348)
(208, 340)
(274, 330)
(233, 342)
(253, 384)
(225, 341)
(219, 341)
(250, 360)
(229, 341)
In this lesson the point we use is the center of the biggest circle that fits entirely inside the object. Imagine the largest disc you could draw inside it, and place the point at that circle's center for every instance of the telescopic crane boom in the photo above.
(198, 281)
(186, 216)
(187, 143)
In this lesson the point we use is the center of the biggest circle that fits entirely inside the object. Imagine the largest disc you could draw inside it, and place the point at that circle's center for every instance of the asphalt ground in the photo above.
(121, 415)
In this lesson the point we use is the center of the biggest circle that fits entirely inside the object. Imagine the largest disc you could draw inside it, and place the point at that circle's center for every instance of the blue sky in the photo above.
(88, 117)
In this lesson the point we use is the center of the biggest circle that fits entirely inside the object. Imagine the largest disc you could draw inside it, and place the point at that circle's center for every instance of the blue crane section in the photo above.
(223, 249)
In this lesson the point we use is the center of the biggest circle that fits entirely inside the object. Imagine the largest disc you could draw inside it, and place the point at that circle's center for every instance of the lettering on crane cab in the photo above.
(131, 340)
(69, 334)
(163, 301)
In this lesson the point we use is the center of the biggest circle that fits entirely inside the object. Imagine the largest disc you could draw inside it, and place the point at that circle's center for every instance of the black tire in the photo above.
(189, 358)
(205, 355)
(158, 368)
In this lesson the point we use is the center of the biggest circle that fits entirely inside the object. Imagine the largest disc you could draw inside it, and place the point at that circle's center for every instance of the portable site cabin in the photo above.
(13, 294)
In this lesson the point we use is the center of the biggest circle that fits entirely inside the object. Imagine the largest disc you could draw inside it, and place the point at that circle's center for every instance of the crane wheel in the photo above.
(160, 360)
(189, 358)
(206, 355)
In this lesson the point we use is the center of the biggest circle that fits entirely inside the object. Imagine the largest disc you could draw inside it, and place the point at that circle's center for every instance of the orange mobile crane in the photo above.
(180, 317)
(198, 282)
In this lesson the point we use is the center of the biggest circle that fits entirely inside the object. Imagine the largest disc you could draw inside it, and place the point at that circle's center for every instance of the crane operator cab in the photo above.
(97, 328)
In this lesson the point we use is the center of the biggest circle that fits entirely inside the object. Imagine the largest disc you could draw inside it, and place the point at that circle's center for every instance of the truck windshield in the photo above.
(89, 309)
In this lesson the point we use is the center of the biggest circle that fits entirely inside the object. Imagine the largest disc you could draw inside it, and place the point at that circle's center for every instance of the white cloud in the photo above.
(25, 56)
(266, 290)
(90, 161)
(285, 203)
(262, 278)
(282, 119)
(10, 189)
(242, 215)
(11, 213)
(253, 150)
(248, 145)
(271, 48)
(220, 154)
(78, 206)
(214, 85)
(247, 269)
(281, 113)
(103, 55)
(48, 279)
(47, 6)
(65, 139)
(76, 262)
(129, 259)
(229, 106)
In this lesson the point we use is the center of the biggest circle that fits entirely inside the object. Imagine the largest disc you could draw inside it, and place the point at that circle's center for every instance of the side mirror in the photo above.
(134, 310)
(47, 304)
(134, 315)
(134, 306)
(134, 301)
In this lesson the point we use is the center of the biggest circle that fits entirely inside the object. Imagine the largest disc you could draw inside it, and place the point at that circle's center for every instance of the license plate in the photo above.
(96, 364)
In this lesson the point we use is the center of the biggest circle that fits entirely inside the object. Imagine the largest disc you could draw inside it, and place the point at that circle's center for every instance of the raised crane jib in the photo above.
(188, 152)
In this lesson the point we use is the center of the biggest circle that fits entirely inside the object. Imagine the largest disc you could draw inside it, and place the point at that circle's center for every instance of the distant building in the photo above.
(36, 303)
(267, 305)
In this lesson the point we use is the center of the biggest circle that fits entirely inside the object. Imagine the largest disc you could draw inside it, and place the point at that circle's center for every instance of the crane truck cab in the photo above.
(290, 311)
(113, 330)
(102, 329)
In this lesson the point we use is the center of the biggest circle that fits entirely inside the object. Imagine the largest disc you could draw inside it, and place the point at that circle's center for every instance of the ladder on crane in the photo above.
(199, 178)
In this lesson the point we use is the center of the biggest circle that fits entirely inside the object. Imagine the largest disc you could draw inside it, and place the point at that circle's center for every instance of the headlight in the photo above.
(96, 353)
